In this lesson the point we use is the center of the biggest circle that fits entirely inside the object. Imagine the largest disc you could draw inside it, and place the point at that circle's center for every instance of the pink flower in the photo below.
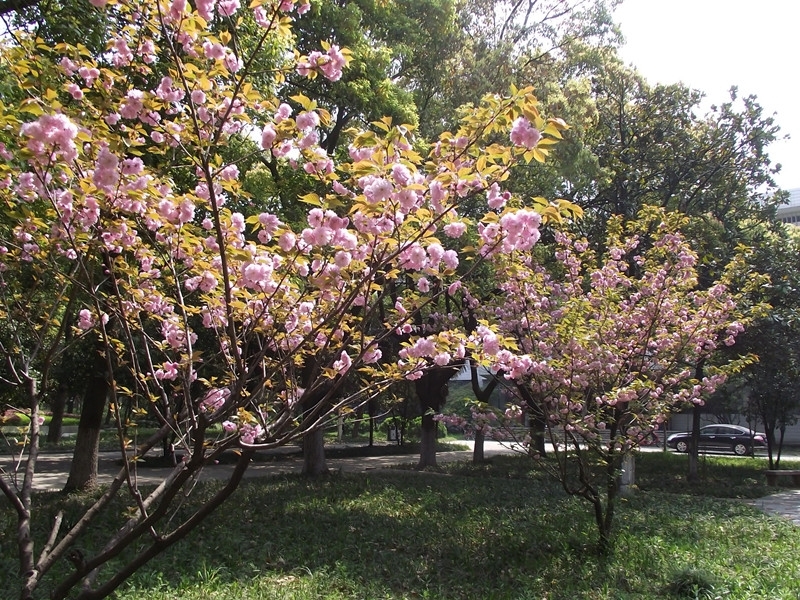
(176, 9)
(205, 8)
(342, 259)
(332, 68)
(287, 241)
(132, 105)
(106, 174)
(213, 51)
(214, 399)
(284, 112)
(343, 364)
(52, 131)
(450, 259)
(436, 252)
(378, 190)
(442, 359)
(68, 66)
(122, 54)
(89, 75)
(455, 230)
(229, 173)
(232, 62)
(329, 64)
(268, 135)
(169, 370)
(75, 91)
(524, 134)
(85, 319)
(249, 433)
(494, 198)
(372, 355)
(307, 120)
(228, 8)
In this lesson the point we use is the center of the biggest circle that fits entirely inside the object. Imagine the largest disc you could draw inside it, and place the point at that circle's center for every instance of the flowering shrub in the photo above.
(604, 347)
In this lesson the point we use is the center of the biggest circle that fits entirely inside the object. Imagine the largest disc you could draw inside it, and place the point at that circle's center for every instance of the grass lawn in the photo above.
(497, 531)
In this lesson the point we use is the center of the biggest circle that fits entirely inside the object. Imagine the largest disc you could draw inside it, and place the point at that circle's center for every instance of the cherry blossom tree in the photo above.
(606, 343)
(117, 194)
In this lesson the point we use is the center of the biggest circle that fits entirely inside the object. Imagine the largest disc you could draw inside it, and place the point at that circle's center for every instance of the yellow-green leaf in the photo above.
(311, 198)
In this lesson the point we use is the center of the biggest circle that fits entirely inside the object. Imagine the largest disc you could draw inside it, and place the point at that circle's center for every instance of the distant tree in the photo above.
(771, 385)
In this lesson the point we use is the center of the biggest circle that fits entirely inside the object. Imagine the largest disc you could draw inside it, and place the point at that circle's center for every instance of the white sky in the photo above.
(711, 45)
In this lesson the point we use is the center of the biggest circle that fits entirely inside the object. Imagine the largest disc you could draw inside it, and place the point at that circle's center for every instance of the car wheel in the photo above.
(740, 449)
(681, 446)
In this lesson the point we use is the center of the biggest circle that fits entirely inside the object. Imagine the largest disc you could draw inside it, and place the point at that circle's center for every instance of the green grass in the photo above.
(21, 420)
(500, 531)
(720, 476)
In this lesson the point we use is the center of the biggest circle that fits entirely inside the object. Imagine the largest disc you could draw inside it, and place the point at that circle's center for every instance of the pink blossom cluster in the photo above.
(415, 257)
(441, 349)
(214, 400)
(169, 371)
(516, 231)
(176, 335)
(250, 432)
(85, 319)
(326, 228)
(523, 133)
(330, 63)
(52, 138)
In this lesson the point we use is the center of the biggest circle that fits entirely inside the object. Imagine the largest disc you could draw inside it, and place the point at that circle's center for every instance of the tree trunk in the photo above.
(694, 449)
(356, 429)
(770, 434)
(371, 412)
(782, 431)
(694, 446)
(627, 476)
(432, 392)
(537, 425)
(314, 463)
(477, 449)
(427, 445)
(57, 407)
(83, 471)
(604, 516)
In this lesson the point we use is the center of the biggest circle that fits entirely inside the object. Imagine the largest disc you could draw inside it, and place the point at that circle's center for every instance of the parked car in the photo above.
(732, 438)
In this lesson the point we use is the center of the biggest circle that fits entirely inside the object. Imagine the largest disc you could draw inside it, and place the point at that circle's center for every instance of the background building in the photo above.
(790, 213)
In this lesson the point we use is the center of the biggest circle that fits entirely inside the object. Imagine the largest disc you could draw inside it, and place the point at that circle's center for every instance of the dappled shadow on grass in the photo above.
(498, 530)
(401, 533)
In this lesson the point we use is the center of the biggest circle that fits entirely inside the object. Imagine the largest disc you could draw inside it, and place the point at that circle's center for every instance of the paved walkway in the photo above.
(52, 470)
(783, 504)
